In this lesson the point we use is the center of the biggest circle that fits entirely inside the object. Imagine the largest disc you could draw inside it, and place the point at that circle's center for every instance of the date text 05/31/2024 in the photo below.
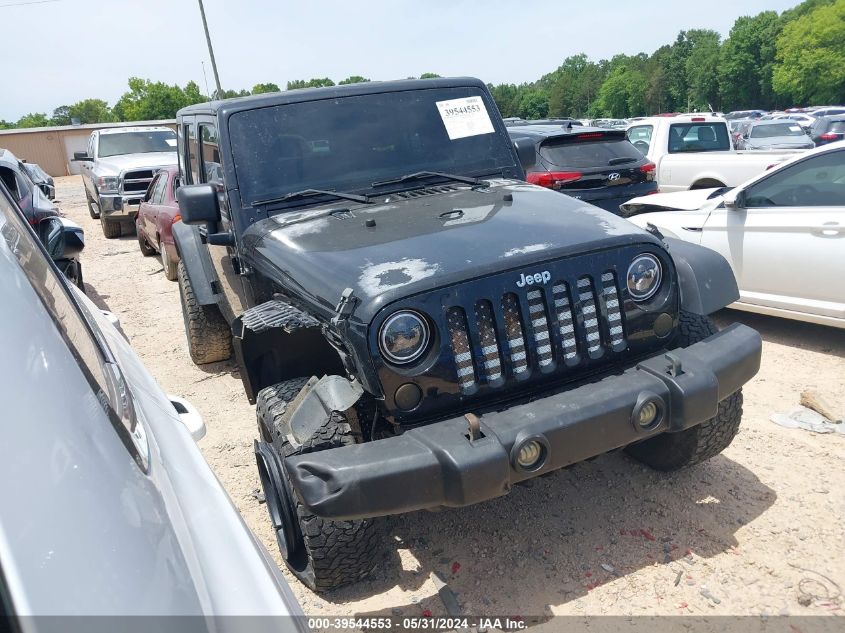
(421, 623)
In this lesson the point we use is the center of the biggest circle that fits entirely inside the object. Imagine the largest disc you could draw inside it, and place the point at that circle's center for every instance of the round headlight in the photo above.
(644, 276)
(403, 337)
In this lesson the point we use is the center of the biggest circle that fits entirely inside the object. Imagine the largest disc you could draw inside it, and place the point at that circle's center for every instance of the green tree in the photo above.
(259, 89)
(229, 94)
(746, 62)
(151, 101)
(507, 97)
(702, 69)
(311, 83)
(429, 76)
(33, 119)
(91, 111)
(6, 125)
(622, 94)
(534, 104)
(811, 56)
(354, 79)
(61, 116)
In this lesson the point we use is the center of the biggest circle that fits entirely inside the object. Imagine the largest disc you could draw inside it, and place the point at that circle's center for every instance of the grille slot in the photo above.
(461, 348)
(491, 359)
(540, 328)
(587, 299)
(614, 313)
(566, 324)
(514, 334)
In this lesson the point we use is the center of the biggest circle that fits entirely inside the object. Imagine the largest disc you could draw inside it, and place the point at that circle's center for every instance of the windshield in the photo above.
(348, 143)
(776, 129)
(136, 143)
(698, 137)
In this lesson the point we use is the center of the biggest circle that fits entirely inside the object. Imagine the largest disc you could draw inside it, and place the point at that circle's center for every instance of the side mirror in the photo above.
(734, 200)
(198, 204)
(81, 157)
(190, 417)
(52, 235)
(525, 152)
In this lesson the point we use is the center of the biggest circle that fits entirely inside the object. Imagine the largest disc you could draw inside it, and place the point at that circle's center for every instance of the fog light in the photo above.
(649, 411)
(529, 455)
(647, 414)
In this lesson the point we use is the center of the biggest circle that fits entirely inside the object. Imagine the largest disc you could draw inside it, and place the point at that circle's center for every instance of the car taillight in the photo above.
(830, 136)
(176, 218)
(698, 119)
(552, 179)
(649, 170)
(590, 135)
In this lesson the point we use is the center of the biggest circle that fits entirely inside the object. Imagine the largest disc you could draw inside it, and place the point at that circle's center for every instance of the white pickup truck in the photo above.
(696, 152)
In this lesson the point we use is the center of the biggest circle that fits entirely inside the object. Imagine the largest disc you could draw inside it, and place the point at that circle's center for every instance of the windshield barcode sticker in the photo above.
(465, 117)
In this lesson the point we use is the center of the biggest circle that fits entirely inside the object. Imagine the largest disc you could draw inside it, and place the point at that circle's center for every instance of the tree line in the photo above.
(768, 61)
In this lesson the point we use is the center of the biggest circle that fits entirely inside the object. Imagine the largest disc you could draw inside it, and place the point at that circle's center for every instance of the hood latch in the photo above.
(345, 308)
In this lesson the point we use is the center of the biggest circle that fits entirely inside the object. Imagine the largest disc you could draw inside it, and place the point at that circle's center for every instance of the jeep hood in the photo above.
(148, 160)
(404, 245)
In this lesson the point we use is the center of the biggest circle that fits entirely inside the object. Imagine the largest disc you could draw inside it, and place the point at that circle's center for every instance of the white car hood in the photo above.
(693, 200)
(123, 162)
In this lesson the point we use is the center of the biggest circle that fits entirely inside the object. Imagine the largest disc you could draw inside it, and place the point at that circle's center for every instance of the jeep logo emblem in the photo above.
(537, 278)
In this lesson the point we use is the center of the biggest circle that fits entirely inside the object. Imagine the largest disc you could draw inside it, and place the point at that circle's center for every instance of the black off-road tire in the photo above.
(671, 451)
(146, 249)
(209, 336)
(328, 554)
(93, 207)
(111, 228)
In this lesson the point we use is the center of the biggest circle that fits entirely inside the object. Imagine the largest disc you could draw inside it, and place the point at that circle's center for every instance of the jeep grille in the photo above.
(529, 316)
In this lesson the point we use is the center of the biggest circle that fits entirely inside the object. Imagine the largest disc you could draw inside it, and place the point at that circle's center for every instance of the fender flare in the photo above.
(705, 278)
(197, 263)
(275, 341)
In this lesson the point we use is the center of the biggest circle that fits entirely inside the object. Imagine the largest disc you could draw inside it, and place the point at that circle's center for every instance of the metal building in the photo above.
(53, 147)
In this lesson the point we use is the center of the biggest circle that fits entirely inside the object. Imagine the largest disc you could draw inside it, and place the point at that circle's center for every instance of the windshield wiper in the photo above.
(308, 193)
(419, 175)
(620, 160)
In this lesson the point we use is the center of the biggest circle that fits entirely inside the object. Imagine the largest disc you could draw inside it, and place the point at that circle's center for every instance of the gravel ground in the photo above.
(756, 530)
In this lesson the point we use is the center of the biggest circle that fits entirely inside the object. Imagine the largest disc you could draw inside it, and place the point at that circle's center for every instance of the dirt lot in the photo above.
(753, 531)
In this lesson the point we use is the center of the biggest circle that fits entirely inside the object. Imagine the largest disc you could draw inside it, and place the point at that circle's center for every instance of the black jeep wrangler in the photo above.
(420, 328)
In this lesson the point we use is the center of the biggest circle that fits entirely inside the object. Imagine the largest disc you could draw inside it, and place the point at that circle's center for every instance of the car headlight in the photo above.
(403, 337)
(108, 184)
(644, 275)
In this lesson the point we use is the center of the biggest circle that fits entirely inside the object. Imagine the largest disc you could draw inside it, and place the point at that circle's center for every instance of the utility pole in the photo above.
(211, 51)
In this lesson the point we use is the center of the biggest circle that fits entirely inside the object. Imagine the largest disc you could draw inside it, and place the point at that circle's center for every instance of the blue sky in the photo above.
(57, 53)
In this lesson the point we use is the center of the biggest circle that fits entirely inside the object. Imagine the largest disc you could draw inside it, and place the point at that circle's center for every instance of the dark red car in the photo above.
(156, 215)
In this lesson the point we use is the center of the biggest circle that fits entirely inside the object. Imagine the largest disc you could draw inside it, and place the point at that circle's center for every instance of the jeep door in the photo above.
(223, 258)
(786, 243)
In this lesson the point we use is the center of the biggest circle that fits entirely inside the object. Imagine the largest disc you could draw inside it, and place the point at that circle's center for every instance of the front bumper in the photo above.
(439, 465)
(120, 206)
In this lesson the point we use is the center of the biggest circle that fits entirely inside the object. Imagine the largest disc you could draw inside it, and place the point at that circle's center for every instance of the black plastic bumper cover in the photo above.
(438, 465)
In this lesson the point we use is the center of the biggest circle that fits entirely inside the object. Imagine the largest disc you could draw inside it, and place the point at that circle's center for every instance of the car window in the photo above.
(585, 154)
(11, 182)
(174, 185)
(212, 169)
(776, 129)
(90, 149)
(191, 154)
(698, 137)
(816, 181)
(640, 137)
(837, 127)
(152, 189)
(161, 187)
(18, 245)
